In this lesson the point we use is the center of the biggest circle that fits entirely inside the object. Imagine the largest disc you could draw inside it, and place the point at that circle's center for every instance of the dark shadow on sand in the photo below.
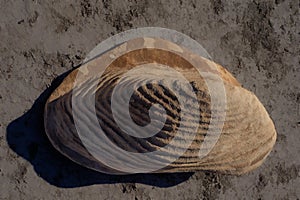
(26, 136)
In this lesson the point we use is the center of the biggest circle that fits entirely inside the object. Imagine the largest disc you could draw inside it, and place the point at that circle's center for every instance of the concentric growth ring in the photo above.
(87, 83)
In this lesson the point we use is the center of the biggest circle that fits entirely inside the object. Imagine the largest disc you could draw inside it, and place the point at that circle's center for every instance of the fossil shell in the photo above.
(246, 138)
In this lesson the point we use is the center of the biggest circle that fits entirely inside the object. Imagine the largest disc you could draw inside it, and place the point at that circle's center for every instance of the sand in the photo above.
(258, 42)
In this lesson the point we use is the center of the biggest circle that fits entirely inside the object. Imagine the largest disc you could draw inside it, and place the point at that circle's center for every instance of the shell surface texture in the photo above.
(151, 106)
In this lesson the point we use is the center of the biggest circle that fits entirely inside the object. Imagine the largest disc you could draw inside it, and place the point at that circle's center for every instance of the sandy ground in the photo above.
(258, 41)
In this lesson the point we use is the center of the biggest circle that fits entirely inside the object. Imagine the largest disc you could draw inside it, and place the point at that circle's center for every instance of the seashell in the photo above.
(247, 134)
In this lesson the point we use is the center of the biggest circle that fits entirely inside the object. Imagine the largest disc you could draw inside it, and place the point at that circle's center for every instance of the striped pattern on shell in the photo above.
(247, 137)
